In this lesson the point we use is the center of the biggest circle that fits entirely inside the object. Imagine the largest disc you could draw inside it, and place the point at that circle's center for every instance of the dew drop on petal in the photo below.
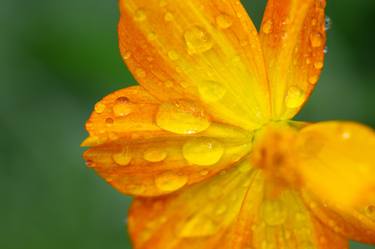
(155, 155)
(140, 73)
(211, 91)
(121, 108)
(202, 151)
(274, 212)
(182, 118)
(327, 23)
(313, 79)
(223, 21)
(197, 40)
(122, 158)
(318, 65)
(267, 27)
(169, 181)
(140, 15)
(316, 40)
(295, 97)
(151, 36)
(99, 107)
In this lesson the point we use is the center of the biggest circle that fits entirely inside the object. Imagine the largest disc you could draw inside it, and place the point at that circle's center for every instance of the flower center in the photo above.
(275, 153)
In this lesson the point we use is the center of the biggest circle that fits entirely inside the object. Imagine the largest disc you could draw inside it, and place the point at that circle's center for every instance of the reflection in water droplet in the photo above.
(170, 181)
(203, 151)
(328, 23)
(197, 40)
(182, 118)
(211, 91)
(295, 97)
(140, 15)
(122, 158)
(99, 108)
(155, 155)
(274, 212)
(223, 21)
(267, 27)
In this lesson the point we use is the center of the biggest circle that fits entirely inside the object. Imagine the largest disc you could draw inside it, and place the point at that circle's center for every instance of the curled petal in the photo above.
(293, 40)
(147, 148)
(338, 169)
(205, 51)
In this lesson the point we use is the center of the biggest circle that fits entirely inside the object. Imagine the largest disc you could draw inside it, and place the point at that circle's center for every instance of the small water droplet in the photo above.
(151, 36)
(122, 158)
(99, 107)
(197, 40)
(327, 23)
(154, 155)
(173, 55)
(370, 211)
(127, 55)
(223, 21)
(314, 22)
(182, 118)
(318, 65)
(325, 50)
(204, 172)
(274, 212)
(168, 17)
(211, 91)
(316, 40)
(109, 121)
(140, 15)
(267, 27)
(140, 73)
(313, 79)
(202, 151)
(169, 181)
(295, 97)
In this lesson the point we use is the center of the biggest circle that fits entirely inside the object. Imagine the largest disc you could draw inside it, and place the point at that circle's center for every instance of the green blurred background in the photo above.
(58, 58)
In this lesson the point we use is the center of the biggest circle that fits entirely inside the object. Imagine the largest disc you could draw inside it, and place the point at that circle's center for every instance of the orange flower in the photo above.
(205, 143)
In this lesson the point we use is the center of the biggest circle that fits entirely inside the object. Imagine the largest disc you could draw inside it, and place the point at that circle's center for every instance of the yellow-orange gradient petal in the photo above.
(144, 147)
(293, 40)
(230, 211)
(206, 51)
(338, 171)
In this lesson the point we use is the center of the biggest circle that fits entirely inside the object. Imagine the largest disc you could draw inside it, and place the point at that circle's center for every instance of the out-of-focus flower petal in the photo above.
(337, 166)
(138, 157)
(232, 210)
(206, 51)
(293, 41)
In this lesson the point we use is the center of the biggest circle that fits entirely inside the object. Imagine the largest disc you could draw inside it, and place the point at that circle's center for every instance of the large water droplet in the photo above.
(169, 181)
(154, 155)
(211, 91)
(223, 21)
(122, 158)
(274, 212)
(182, 118)
(267, 27)
(99, 108)
(295, 97)
(202, 151)
(197, 40)
(122, 107)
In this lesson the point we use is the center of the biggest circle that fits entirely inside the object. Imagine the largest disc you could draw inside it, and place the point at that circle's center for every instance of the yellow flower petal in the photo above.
(205, 51)
(140, 156)
(338, 171)
(293, 41)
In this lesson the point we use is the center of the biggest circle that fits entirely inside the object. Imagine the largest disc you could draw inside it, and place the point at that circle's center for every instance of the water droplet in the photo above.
(327, 23)
(127, 55)
(204, 172)
(325, 50)
(122, 99)
(211, 91)
(99, 107)
(182, 118)
(168, 17)
(295, 97)
(314, 22)
(140, 73)
(202, 151)
(173, 55)
(318, 65)
(121, 109)
(122, 158)
(154, 155)
(151, 36)
(197, 40)
(267, 27)
(169, 181)
(223, 21)
(313, 79)
(274, 212)
(109, 121)
(140, 15)
(316, 40)
(370, 211)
